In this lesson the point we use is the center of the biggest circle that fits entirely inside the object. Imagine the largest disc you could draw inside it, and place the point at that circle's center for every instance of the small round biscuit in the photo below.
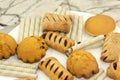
(8, 46)
(99, 24)
(31, 49)
(113, 70)
(82, 64)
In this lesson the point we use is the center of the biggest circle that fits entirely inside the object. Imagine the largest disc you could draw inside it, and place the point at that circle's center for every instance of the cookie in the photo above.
(82, 64)
(56, 22)
(58, 42)
(113, 70)
(111, 48)
(8, 46)
(54, 70)
(31, 49)
(99, 24)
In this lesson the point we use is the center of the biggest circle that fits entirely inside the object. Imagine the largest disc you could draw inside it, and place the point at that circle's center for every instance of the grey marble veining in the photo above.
(12, 10)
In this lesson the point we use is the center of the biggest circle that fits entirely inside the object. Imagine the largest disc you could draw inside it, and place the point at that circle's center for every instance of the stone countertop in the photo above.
(12, 10)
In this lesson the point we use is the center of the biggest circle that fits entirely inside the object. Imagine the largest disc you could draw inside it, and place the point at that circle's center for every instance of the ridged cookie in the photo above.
(31, 49)
(8, 46)
(82, 64)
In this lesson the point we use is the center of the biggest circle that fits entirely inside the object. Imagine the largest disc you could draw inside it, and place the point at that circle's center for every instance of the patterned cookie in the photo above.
(111, 47)
(54, 70)
(7, 46)
(113, 70)
(31, 49)
(55, 22)
(58, 42)
(82, 64)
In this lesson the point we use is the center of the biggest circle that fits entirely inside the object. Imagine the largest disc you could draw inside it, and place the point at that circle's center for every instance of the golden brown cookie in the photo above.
(99, 24)
(32, 49)
(113, 70)
(111, 47)
(56, 22)
(54, 70)
(58, 42)
(8, 46)
(82, 64)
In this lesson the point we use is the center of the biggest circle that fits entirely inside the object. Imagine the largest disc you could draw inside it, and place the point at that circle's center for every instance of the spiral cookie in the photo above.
(58, 42)
(31, 49)
(111, 48)
(7, 46)
(54, 69)
(113, 70)
(82, 64)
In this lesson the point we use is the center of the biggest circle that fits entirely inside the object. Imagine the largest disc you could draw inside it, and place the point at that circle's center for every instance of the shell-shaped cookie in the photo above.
(54, 70)
(31, 49)
(58, 42)
(82, 64)
(111, 48)
(55, 22)
(8, 46)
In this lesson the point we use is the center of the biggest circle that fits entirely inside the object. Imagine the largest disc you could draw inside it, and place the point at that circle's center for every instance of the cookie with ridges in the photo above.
(82, 64)
(8, 46)
(31, 49)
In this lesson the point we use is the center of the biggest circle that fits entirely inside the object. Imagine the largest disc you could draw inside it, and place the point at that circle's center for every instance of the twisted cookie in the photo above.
(58, 42)
(54, 69)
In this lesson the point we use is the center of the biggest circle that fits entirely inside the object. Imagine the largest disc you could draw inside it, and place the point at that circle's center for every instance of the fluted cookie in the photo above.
(82, 64)
(31, 49)
(58, 42)
(55, 22)
(54, 70)
(111, 47)
(113, 70)
(8, 46)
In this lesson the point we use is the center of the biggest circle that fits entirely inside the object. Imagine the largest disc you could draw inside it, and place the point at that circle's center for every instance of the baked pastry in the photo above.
(99, 24)
(54, 70)
(82, 64)
(113, 70)
(8, 46)
(57, 41)
(111, 47)
(32, 49)
(56, 22)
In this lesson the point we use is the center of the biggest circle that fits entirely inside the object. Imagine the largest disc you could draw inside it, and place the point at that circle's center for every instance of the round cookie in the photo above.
(8, 46)
(99, 24)
(82, 64)
(31, 49)
(113, 70)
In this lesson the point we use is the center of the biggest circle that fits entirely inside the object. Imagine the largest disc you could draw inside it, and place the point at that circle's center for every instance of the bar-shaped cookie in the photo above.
(54, 70)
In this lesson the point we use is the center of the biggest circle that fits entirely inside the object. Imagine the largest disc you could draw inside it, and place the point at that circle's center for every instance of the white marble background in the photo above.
(12, 10)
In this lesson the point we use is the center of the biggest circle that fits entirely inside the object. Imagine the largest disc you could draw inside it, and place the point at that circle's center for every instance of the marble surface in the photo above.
(12, 10)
